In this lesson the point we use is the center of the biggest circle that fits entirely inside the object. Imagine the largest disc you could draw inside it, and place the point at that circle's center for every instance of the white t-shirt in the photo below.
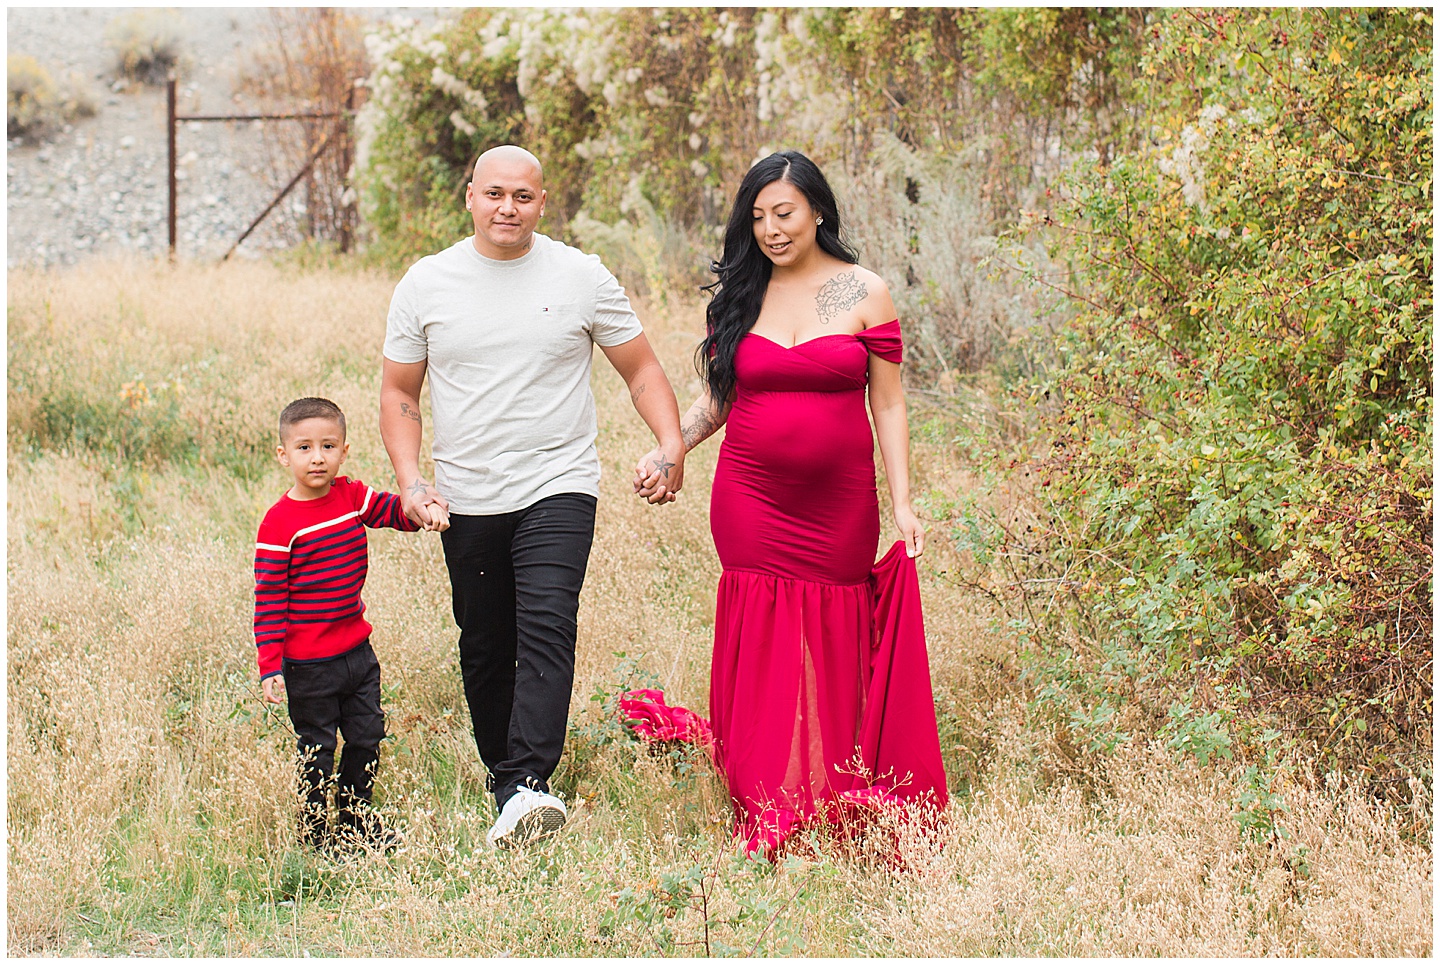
(508, 346)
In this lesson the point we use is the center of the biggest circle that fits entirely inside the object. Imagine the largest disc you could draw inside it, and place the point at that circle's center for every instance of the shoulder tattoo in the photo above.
(839, 294)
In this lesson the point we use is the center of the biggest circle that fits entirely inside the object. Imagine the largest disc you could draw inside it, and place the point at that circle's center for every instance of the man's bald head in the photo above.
(508, 155)
(506, 200)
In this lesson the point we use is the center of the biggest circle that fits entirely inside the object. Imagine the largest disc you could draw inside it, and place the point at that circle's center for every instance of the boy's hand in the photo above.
(417, 500)
(433, 516)
(273, 688)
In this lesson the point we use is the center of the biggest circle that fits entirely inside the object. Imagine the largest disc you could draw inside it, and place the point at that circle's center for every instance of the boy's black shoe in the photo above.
(315, 830)
(360, 827)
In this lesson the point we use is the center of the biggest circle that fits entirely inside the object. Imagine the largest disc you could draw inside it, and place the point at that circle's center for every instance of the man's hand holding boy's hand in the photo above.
(439, 517)
(425, 506)
(433, 516)
(273, 688)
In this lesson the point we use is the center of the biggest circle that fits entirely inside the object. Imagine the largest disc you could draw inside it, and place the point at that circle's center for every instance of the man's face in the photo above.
(505, 200)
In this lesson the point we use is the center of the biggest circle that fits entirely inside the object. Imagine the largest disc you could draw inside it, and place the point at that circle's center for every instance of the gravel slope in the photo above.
(99, 185)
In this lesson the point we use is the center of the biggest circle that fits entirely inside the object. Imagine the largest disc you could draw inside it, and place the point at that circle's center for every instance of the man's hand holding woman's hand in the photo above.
(660, 473)
(425, 506)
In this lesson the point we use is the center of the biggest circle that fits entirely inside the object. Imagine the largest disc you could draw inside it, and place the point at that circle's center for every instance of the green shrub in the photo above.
(1241, 474)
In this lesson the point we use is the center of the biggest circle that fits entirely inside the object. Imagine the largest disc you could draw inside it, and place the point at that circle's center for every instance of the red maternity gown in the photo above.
(820, 686)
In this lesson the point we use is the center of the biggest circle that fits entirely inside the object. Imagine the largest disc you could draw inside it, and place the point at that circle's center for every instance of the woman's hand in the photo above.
(659, 475)
(911, 529)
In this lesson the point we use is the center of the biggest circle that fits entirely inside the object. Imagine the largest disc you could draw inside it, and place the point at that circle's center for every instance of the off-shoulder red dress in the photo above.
(820, 685)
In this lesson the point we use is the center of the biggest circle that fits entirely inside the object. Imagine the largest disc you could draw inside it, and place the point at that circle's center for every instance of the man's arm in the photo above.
(654, 399)
(400, 431)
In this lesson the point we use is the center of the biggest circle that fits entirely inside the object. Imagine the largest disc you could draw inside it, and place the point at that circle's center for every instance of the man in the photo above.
(503, 322)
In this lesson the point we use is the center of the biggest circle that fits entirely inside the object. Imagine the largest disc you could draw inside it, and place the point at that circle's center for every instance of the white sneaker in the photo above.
(528, 816)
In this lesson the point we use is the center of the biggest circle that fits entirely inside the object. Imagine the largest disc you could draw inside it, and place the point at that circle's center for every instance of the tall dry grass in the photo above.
(149, 794)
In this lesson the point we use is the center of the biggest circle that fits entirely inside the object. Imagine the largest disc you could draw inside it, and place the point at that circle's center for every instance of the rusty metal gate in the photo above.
(341, 119)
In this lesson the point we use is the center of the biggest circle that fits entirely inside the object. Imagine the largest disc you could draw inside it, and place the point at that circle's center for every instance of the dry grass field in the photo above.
(150, 793)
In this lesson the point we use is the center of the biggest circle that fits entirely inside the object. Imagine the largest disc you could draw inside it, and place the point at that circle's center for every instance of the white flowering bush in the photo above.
(606, 98)
(435, 101)
(646, 120)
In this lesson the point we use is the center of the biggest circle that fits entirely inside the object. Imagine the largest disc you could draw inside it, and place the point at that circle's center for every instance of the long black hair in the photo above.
(744, 271)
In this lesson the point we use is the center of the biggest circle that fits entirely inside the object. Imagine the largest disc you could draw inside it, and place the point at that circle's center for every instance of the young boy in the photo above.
(310, 629)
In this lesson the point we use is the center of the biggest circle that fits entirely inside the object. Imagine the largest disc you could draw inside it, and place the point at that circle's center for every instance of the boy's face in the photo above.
(312, 449)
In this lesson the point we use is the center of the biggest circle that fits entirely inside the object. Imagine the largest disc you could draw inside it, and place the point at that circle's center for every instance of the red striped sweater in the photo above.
(310, 565)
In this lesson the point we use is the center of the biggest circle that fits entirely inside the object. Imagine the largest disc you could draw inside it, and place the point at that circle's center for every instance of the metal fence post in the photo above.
(170, 127)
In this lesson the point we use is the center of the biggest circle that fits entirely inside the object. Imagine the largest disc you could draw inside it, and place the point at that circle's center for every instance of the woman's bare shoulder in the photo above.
(876, 307)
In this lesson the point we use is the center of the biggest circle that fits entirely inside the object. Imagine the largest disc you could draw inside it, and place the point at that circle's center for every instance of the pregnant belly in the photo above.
(794, 491)
(815, 437)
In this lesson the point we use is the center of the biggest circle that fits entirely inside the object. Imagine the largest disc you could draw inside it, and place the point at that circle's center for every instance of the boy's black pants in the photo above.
(515, 581)
(324, 695)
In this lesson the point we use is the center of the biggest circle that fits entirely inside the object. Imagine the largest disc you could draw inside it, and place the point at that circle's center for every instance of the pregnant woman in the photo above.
(820, 689)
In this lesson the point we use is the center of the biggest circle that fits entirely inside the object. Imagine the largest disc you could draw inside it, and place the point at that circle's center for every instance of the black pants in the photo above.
(324, 695)
(515, 581)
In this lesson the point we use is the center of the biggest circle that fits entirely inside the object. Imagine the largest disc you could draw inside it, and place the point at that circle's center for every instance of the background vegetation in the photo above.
(1196, 244)
(150, 799)
(147, 44)
(35, 103)
(1243, 405)
(1166, 280)
(312, 61)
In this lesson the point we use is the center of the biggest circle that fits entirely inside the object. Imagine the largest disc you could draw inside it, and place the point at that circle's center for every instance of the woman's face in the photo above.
(784, 223)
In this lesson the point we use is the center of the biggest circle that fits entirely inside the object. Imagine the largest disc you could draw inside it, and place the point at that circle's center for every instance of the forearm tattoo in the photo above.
(698, 430)
(839, 294)
(418, 487)
(409, 413)
(636, 392)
